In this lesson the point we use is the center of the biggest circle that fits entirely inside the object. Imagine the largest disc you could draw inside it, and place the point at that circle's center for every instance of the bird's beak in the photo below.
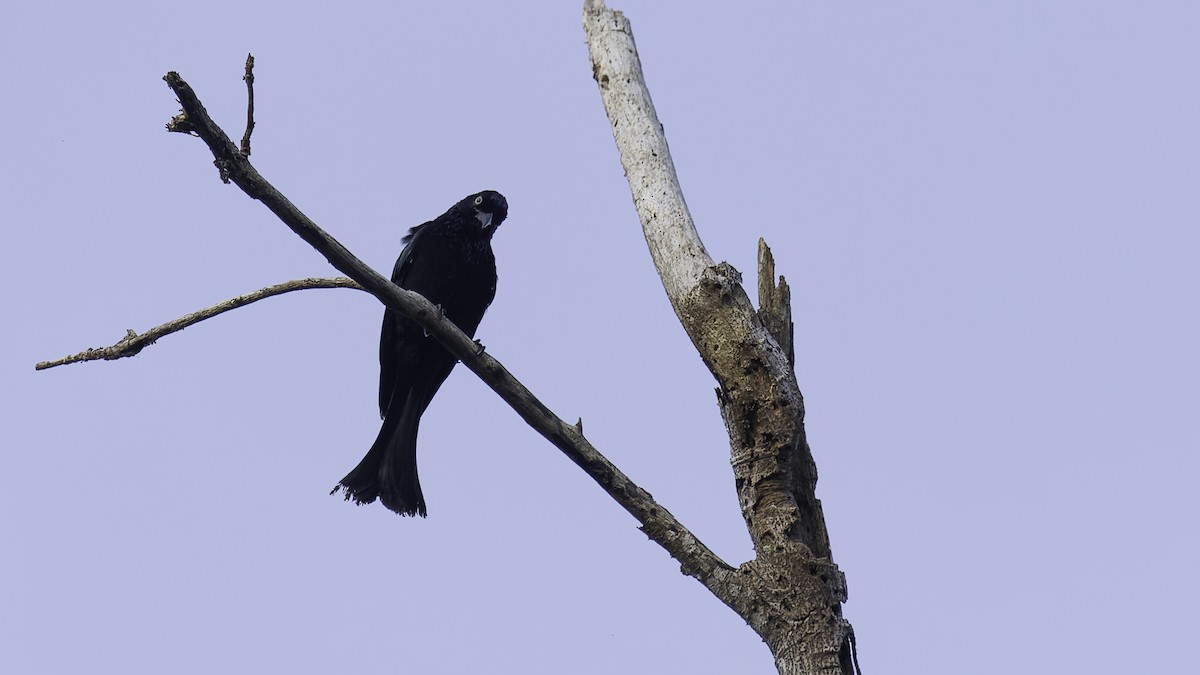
(485, 219)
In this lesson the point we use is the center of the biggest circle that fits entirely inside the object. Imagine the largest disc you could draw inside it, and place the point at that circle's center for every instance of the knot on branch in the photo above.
(785, 576)
(833, 579)
(129, 345)
(181, 124)
(224, 168)
(720, 279)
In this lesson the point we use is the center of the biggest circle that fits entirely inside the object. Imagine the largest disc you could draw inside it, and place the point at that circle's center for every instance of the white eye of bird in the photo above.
(478, 200)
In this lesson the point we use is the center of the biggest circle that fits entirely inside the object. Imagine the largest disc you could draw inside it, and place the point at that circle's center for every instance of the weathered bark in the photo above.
(793, 592)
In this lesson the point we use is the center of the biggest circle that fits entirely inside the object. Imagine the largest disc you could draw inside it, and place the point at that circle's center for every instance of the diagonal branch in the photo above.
(133, 343)
(696, 559)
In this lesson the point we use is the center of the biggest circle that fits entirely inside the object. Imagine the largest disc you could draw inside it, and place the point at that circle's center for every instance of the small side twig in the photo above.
(249, 78)
(133, 343)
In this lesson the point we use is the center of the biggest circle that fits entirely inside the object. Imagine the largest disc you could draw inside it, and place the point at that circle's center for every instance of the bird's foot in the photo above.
(441, 315)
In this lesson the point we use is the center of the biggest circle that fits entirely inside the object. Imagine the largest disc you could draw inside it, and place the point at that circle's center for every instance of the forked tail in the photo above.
(389, 470)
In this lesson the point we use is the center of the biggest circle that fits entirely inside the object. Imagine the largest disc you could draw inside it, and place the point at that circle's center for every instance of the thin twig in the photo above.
(133, 343)
(249, 78)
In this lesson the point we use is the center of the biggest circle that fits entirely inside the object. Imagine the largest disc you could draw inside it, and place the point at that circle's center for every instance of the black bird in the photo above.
(448, 260)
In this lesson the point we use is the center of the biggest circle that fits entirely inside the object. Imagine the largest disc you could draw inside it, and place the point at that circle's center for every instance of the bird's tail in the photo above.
(389, 470)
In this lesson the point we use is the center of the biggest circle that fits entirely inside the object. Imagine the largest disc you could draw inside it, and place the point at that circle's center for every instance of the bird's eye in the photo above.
(478, 200)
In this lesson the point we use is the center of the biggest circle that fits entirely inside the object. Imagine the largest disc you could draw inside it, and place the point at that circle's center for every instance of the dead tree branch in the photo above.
(249, 78)
(791, 593)
(695, 558)
(133, 343)
(796, 591)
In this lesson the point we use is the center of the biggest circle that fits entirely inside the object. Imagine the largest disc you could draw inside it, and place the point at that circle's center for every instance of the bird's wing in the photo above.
(391, 334)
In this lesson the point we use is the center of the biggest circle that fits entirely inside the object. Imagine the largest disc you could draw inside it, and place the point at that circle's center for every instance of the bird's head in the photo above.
(489, 208)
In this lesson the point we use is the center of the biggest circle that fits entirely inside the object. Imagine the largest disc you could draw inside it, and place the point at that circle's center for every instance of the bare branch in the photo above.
(796, 589)
(709, 299)
(249, 78)
(695, 558)
(133, 343)
(775, 302)
(674, 242)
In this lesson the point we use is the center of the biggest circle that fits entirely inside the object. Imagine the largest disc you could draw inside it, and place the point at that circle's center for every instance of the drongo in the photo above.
(448, 260)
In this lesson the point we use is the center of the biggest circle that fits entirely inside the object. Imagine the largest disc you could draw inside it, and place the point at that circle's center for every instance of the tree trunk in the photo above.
(791, 593)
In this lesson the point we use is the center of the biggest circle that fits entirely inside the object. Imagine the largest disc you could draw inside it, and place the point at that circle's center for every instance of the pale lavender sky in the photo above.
(987, 211)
